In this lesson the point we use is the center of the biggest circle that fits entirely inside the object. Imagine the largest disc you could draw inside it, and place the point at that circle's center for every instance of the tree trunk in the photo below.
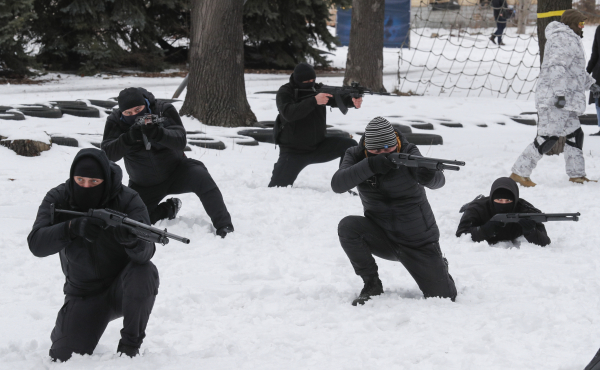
(365, 53)
(543, 7)
(216, 89)
(524, 8)
(26, 148)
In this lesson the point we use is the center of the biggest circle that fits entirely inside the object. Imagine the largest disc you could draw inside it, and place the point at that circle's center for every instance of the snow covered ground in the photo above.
(276, 293)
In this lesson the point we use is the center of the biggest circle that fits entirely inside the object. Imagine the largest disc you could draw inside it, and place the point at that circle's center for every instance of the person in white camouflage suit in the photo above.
(560, 98)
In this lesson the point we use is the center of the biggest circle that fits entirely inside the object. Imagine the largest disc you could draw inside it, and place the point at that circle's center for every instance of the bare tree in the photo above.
(524, 10)
(545, 6)
(216, 88)
(365, 53)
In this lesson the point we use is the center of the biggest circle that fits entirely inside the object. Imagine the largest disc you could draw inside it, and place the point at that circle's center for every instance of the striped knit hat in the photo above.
(380, 134)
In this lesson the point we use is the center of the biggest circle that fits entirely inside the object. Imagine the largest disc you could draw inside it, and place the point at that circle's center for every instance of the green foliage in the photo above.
(282, 33)
(15, 18)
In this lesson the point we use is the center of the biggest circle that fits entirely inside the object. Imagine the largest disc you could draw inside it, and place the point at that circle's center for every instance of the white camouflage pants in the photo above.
(553, 122)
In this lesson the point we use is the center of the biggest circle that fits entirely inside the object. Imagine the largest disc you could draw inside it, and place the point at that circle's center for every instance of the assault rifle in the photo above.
(410, 160)
(537, 217)
(354, 90)
(114, 218)
(148, 119)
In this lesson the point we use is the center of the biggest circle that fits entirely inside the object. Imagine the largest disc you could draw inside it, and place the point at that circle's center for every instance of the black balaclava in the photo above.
(503, 194)
(86, 198)
(129, 98)
(304, 72)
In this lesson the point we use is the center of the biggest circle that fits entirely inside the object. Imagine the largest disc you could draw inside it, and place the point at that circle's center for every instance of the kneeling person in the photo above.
(398, 224)
(160, 167)
(108, 270)
(504, 198)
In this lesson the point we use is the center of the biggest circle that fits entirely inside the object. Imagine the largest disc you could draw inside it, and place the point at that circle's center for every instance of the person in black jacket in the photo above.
(108, 273)
(163, 168)
(499, 7)
(504, 198)
(301, 126)
(398, 223)
(593, 67)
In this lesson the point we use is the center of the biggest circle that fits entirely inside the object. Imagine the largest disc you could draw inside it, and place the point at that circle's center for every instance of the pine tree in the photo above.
(282, 33)
(15, 19)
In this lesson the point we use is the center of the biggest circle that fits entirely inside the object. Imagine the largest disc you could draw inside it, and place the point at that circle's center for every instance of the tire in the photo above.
(424, 139)
(266, 92)
(4, 108)
(169, 100)
(261, 135)
(109, 104)
(11, 116)
(80, 111)
(525, 121)
(187, 149)
(97, 145)
(482, 125)
(243, 140)
(452, 124)
(207, 143)
(337, 133)
(588, 119)
(64, 141)
(68, 103)
(265, 124)
(194, 133)
(402, 128)
(40, 111)
(526, 113)
(423, 126)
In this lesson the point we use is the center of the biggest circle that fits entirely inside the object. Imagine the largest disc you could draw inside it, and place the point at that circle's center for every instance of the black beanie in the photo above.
(304, 72)
(130, 97)
(380, 134)
(89, 167)
(503, 194)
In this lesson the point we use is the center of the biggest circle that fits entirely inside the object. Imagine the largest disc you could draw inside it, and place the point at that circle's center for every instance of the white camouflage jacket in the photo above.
(563, 71)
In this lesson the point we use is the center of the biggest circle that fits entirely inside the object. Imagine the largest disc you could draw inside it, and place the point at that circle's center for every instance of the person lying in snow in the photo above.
(504, 198)
(162, 169)
(108, 273)
(398, 224)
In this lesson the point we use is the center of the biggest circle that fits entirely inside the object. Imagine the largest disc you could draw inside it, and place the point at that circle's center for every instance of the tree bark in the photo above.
(543, 7)
(26, 148)
(216, 89)
(364, 63)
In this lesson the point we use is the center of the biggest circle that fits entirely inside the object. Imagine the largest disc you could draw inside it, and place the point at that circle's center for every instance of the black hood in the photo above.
(508, 184)
(113, 175)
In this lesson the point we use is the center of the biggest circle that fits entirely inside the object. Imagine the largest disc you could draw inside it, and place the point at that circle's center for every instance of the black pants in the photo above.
(191, 176)
(82, 320)
(500, 26)
(290, 164)
(595, 363)
(361, 238)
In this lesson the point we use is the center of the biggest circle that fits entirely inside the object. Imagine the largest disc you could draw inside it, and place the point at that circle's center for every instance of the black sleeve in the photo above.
(174, 134)
(291, 110)
(113, 142)
(538, 235)
(470, 223)
(352, 172)
(142, 251)
(46, 239)
(429, 178)
(594, 58)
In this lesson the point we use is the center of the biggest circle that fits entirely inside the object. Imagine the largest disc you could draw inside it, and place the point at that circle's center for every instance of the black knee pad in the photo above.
(575, 139)
(547, 145)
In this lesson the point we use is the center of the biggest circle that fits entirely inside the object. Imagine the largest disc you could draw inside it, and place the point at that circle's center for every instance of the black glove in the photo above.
(124, 236)
(491, 228)
(133, 135)
(223, 231)
(527, 225)
(153, 132)
(86, 227)
(595, 91)
(381, 164)
(425, 175)
(560, 102)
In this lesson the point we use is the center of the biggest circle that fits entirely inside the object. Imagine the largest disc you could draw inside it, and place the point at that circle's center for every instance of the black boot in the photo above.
(596, 134)
(223, 231)
(372, 288)
(174, 207)
(127, 350)
(492, 39)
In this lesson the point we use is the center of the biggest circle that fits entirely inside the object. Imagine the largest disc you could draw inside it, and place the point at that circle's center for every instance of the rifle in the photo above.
(537, 217)
(410, 160)
(114, 218)
(151, 119)
(354, 90)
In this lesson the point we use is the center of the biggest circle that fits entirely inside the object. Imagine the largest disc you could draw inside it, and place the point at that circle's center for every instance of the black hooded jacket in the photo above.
(89, 267)
(395, 201)
(301, 120)
(593, 66)
(481, 210)
(147, 167)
